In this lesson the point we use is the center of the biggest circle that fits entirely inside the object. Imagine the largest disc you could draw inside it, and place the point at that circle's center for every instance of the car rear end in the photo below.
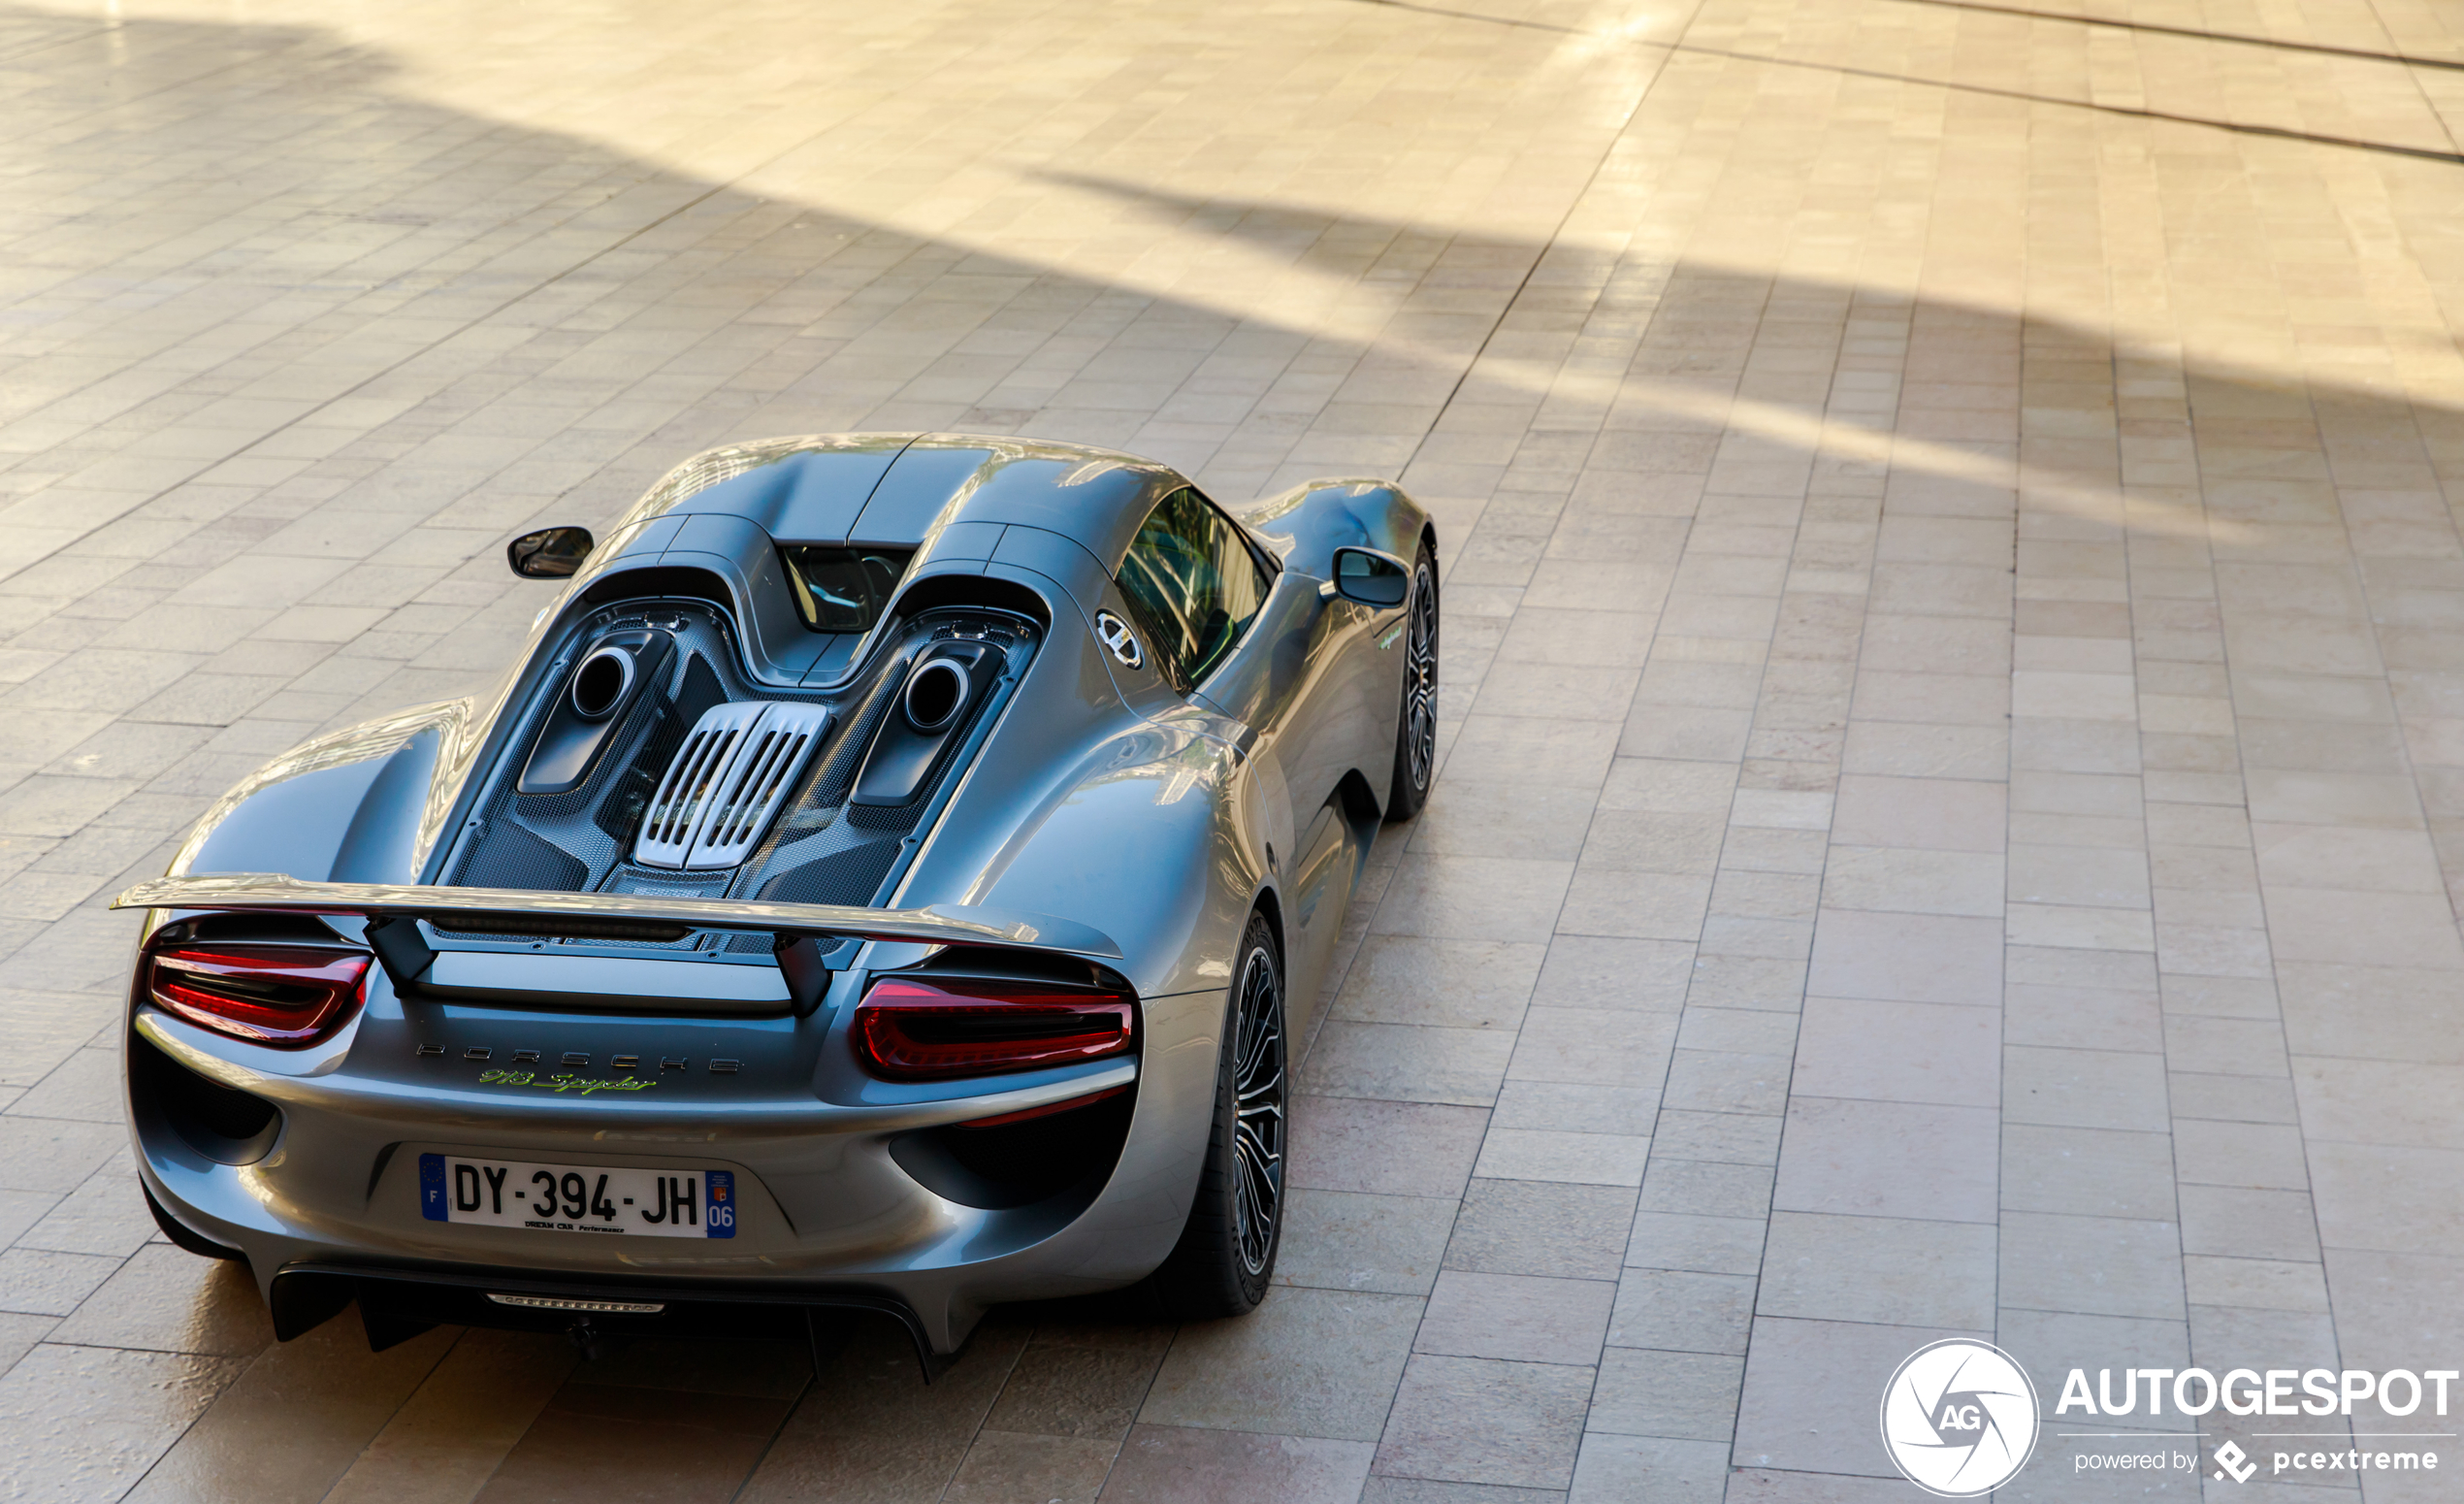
(918, 1142)
(613, 1066)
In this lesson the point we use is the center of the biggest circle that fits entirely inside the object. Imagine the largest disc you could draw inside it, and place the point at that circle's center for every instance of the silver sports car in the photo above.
(877, 886)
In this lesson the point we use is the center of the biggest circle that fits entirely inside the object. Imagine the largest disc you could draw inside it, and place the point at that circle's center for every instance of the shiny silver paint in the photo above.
(1157, 821)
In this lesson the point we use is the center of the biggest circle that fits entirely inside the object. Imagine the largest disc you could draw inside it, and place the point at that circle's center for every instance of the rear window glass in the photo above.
(843, 589)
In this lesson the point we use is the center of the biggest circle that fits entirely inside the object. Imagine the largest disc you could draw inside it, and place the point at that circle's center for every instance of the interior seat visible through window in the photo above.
(1194, 583)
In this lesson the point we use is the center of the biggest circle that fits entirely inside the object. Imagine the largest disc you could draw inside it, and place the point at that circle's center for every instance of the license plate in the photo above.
(577, 1198)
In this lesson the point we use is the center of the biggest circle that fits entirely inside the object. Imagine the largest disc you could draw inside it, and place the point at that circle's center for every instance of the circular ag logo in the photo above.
(1960, 1417)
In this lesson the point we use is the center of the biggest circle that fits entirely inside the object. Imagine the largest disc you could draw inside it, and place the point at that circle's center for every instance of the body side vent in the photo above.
(728, 781)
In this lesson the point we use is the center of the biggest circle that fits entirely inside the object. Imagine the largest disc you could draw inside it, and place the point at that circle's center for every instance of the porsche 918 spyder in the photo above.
(878, 885)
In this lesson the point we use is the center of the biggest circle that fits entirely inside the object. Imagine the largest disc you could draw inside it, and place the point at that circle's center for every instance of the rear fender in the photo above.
(344, 807)
(1305, 525)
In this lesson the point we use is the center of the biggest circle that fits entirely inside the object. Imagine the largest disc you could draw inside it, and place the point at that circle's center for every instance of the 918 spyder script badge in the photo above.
(561, 1082)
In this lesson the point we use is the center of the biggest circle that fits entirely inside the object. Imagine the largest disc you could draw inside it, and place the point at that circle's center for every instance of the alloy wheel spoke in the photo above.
(1257, 1122)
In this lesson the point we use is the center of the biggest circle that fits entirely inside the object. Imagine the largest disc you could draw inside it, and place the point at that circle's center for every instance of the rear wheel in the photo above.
(1416, 725)
(1226, 1253)
(201, 1247)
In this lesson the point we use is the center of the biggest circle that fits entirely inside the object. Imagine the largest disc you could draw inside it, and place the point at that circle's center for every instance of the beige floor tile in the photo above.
(90, 1420)
(1347, 1240)
(1535, 1227)
(669, 1443)
(1623, 1467)
(1308, 1362)
(1008, 1465)
(1570, 1158)
(871, 1428)
(1468, 1419)
(1676, 1311)
(2264, 1284)
(170, 1300)
(1914, 882)
(2093, 1265)
(1679, 1395)
(106, 1215)
(452, 1431)
(1410, 979)
(2088, 1173)
(1517, 1316)
(49, 1154)
(1606, 971)
(1724, 1081)
(1773, 1486)
(1162, 1465)
(1408, 1062)
(1473, 897)
(1594, 1047)
(2386, 1303)
(1860, 1159)
(1907, 1052)
(2363, 928)
(1084, 1381)
(1806, 1402)
(2387, 1200)
(2097, 1089)
(2079, 876)
(1383, 1148)
(326, 1396)
(1504, 818)
(1908, 957)
(36, 1282)
(1634, 905)
(2054, 1342)
(1940, 814)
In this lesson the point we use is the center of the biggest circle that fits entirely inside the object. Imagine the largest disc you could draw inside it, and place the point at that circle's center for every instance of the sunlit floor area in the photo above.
(1953, 801)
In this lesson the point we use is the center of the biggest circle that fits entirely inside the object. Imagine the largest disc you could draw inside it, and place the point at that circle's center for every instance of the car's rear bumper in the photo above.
(839, 1203)
(398, 1302)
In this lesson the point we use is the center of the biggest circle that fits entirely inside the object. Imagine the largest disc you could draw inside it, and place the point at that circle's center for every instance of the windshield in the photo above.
(843, 589)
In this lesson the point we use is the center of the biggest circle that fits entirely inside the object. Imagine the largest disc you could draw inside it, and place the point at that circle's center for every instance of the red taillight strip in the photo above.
(284, 995)
(911, 1029)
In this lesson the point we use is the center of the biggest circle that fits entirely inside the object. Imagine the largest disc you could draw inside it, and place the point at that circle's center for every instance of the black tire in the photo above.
(1225, 1257)
(201, 1247)
(1417, 722)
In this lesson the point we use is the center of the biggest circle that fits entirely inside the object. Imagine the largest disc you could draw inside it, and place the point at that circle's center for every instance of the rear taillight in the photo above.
(285, 995)
(915, 1031)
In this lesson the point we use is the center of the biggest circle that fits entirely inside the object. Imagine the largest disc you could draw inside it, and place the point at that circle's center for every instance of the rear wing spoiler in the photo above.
(393, 934)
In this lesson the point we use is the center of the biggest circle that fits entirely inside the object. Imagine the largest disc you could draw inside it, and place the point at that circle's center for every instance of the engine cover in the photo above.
(728, 782)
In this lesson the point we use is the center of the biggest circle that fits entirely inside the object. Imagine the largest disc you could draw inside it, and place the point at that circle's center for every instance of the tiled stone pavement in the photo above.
(1956, 701)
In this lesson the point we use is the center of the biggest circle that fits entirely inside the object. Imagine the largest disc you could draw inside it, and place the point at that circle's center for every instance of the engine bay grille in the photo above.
(728, 782)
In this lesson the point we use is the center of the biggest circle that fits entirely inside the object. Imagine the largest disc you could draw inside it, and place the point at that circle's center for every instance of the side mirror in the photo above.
(1371, 578)
(550, 553)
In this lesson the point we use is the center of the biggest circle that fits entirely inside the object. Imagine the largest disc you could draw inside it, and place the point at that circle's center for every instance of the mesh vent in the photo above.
(889, 817)
(849, 877)
(735, 769)
(511, 856)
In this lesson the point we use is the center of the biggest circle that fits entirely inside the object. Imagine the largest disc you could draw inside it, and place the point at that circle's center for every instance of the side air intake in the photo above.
(735, 770)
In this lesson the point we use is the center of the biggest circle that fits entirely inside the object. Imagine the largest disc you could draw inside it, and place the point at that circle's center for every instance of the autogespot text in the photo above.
(2246, 1392)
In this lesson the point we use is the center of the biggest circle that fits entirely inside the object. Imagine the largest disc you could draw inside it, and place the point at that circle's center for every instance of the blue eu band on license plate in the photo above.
(605, 1200)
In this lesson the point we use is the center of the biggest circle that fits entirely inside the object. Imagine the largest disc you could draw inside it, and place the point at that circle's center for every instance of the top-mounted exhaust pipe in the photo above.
(932, 711)
(936, 692)
(602, 682)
